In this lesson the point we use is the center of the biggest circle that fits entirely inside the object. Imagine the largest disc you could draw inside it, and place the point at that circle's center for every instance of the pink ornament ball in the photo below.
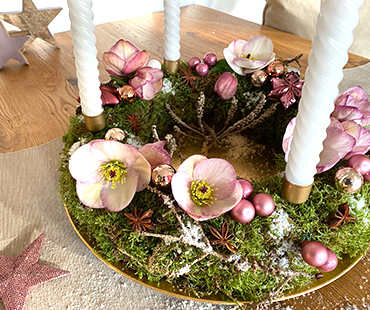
(263, 203)
(331, 263)
(202, 69)
(210, 59)
(193, 61)
(243, 212)
(359, 162)
(314, 253)
(367, 177)
(247, 188)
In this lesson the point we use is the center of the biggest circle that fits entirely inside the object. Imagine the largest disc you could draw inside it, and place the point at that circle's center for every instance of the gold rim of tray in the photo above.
(164, 287)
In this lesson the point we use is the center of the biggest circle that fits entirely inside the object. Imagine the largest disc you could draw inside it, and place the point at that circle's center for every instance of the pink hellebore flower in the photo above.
(206, 188)
(124, 58)
(109, 173)
(246, 57)
(226, 86)
(147, 82)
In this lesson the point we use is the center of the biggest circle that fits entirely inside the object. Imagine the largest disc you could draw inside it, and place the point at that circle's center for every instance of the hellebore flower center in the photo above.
(201, 193)
(113, 172)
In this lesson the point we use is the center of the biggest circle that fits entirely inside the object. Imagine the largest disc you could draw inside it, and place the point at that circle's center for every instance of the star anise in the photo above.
(187, 77)
(140, 221)
(340, 216)
(134, 121)
(222, 238)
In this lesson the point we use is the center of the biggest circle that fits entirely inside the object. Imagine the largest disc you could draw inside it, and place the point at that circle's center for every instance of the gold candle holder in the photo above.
(294, 193)
(95, 123)
(171, 66)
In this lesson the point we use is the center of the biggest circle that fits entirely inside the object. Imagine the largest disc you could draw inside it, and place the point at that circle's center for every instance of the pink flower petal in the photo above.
(113, 64)
(261, 46)
(336, 145)
(219, 206)
(180, 184)
(362, 144)
(116, 199)
(142, 168)
(124, 49)
(352, 128)
(230, 56)
(288, 136)
(344, 113)
(249, 63)
(83, 167)
(189, 164)
(219, 174)
(108, 150)
(226, 86)
(155, 154)
(90, 194)
(357, 93)
(136, 62)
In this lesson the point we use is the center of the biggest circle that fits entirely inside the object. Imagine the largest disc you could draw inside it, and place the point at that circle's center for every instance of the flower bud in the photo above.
(226, 86)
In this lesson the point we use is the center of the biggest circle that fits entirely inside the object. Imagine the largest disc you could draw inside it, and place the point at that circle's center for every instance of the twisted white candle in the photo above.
(330, 44)
(85, 52)
(171, 30)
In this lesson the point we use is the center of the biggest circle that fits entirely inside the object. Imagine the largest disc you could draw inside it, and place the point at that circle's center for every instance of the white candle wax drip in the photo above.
(334, 35)
(85, 52)
(171, 30)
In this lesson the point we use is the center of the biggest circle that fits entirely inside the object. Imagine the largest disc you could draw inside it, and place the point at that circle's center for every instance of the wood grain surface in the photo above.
(36, 101)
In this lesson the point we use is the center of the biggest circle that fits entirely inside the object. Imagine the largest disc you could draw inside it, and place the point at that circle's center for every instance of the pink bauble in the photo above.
(314, 253)
(202, 69)
(366, 177)
(263, 204)
(359, 162)
(331, 263)
(247, 188)
(210, 59)
(193, 61)
(243, 212)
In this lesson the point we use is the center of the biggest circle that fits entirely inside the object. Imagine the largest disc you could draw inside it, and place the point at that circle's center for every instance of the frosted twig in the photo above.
(230, 114)
(200, 107)
(171, 144)
(186, 269)
(178, 130)
(271, 110)
(155, 133)
(178, 119)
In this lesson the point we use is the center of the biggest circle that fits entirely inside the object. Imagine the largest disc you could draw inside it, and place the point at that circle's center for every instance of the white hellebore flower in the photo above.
(248, 56)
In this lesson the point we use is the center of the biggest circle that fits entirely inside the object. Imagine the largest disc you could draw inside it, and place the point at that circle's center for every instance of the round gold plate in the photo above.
(344, 265)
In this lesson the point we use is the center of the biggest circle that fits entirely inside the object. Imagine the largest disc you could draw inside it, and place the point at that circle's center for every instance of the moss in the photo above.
(153, 258)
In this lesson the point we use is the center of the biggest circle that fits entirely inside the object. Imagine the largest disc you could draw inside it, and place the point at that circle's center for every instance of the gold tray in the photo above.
(248, 164)
(344, 265)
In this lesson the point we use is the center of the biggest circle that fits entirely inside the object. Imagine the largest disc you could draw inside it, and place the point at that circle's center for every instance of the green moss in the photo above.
(154, 258)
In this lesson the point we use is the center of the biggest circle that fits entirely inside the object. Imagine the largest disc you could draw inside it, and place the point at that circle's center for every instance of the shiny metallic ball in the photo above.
(116, 134)
(275, 68)
(162, 175)
(349, 180)
(127, 93)
(259, 78)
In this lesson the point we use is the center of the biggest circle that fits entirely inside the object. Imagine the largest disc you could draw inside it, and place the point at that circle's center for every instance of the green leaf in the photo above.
(222, 66)
(118, 80)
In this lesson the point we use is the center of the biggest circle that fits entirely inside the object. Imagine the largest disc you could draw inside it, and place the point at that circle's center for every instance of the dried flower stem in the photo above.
(271, 110)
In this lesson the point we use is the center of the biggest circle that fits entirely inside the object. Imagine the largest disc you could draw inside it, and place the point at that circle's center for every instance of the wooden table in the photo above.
(36, 101)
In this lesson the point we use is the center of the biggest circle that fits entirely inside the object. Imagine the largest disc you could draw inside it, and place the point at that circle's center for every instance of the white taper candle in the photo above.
(334, 35)
(171, 29)
(85, 52)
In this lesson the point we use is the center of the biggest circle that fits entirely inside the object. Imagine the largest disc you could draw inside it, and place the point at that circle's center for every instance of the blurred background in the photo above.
(112, 10)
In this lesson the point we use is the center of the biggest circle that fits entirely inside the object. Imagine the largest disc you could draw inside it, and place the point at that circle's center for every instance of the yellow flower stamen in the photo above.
(113, 172)
(202, 193)
(249, 56)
